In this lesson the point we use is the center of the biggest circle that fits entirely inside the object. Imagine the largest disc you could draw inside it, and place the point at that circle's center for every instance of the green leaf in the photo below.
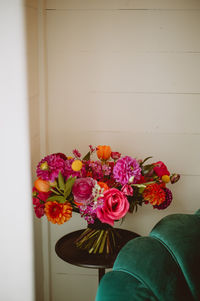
(147, 168)
(61, 182)
(87, 157)
(141, 189)
(54, 191)
(145, 160)
(58, 198)
(68, 186)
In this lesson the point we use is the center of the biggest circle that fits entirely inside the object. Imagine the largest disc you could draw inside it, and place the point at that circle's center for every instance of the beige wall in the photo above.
(127, 74)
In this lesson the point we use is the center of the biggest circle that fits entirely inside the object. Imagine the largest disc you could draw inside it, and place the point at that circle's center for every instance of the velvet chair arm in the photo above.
(164, 266)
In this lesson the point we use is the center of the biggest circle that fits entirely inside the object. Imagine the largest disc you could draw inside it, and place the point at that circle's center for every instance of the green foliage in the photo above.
(61, 182)
(87, 157)
(145, 160)
(68, 186)
(137, 199)
(63, 189)
(147, 169)
(58, 198)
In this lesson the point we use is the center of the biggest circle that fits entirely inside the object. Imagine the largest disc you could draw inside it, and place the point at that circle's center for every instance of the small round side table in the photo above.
(66, 249)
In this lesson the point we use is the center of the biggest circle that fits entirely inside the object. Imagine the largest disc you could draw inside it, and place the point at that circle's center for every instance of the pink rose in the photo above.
(115, 206)
(82, 190)
(115, 155)
(127, 190)
(161, 169)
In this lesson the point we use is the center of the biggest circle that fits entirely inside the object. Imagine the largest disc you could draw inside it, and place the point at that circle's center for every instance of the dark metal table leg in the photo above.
(101, 273)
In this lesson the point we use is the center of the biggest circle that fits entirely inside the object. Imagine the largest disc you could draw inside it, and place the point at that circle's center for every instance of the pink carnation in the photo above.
(115, 206)
(127, 190)
(82, 190)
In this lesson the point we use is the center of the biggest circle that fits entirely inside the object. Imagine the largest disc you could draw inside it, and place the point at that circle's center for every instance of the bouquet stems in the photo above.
(97, 240)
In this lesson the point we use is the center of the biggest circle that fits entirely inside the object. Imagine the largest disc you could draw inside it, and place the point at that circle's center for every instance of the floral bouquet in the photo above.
(101, 190)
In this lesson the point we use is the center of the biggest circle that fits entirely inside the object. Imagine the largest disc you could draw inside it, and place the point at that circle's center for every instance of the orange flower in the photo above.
(58, 213)
(103, 185)
(42, 185)
(103, 152)
(154, 194)
(78, 204)
(89, 174)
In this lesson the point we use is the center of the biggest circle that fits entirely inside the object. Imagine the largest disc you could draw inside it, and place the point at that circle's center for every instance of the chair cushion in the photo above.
(122, 286)
(180, 234)
(149, 261)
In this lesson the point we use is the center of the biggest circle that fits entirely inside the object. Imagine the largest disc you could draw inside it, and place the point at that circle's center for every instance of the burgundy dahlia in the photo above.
(168, 200)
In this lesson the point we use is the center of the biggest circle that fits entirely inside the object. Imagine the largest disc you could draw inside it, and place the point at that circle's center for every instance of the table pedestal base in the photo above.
(66, 249)
(101, 273)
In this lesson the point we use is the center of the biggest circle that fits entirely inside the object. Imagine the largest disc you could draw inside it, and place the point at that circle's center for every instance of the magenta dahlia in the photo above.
(49, 167)
(125, 168)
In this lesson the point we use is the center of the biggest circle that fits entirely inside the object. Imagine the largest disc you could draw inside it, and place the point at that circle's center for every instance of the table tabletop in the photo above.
(66, 249)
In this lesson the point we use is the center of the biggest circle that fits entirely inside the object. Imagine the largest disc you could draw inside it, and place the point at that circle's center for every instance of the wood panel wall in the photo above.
(127, 74)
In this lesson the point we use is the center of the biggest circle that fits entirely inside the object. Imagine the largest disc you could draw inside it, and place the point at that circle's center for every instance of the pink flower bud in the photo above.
(174, 178)
(115, 155)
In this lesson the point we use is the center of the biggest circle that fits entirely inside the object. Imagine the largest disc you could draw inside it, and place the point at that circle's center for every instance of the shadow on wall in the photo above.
(31, 31)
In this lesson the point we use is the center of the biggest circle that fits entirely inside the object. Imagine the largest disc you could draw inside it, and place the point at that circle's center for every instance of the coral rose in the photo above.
(115, 206)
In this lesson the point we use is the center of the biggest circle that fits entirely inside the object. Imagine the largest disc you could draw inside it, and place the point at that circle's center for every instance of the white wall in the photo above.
(16, 260)
(127, 74)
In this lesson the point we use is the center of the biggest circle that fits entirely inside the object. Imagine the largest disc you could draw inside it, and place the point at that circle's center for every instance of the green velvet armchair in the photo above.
(164, 266)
